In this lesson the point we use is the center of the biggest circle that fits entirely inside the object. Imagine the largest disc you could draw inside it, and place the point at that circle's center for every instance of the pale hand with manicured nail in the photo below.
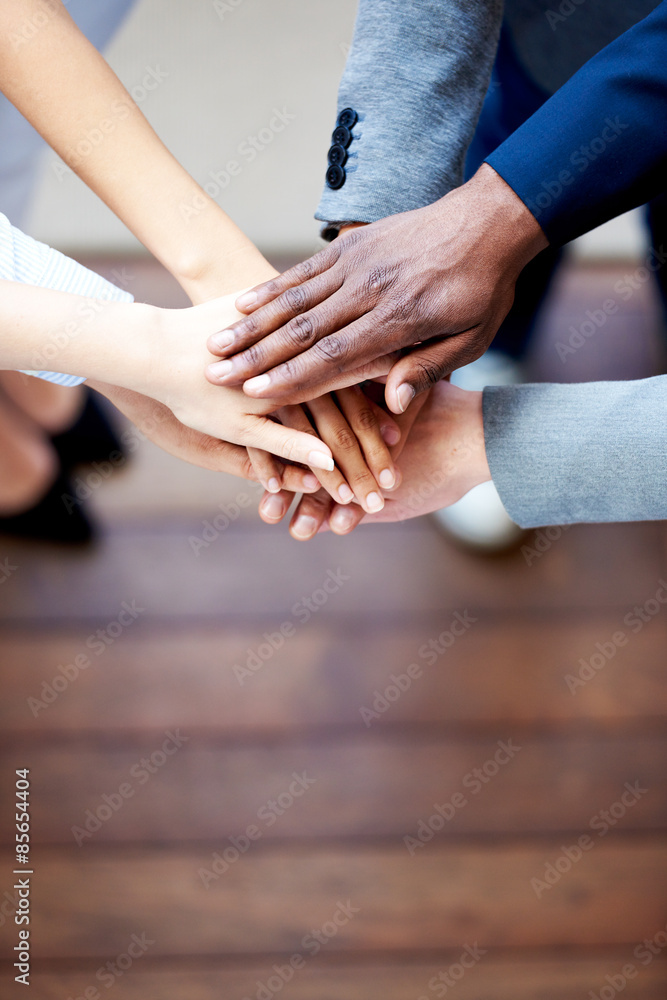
(174, 374)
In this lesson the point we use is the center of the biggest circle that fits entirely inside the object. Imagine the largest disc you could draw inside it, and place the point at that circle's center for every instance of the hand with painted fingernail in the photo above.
(320, 512)
(360, 435)
(171, 371)
(436, 281)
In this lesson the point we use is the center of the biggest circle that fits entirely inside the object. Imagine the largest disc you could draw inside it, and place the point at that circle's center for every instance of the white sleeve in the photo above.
(32, 263)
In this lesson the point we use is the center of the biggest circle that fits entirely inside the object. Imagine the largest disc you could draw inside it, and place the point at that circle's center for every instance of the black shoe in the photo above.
(91, 439)
(58, 517)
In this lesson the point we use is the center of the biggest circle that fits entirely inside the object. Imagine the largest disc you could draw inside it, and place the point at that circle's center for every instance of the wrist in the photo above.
(475, 465)
(504, 222)
(216, 267)
(127, 352)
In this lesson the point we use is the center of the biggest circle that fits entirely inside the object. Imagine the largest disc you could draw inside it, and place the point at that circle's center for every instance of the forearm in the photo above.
(561, 454)
(64, 87)
(598, 147)
(110, 341)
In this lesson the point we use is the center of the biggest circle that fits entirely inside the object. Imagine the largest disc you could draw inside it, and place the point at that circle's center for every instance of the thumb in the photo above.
(422, 368)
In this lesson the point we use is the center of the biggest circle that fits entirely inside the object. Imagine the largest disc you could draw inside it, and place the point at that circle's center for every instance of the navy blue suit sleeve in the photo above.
(598, 147)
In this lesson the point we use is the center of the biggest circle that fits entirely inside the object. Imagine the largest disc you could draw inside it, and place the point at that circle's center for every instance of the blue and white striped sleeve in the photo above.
(32, 263)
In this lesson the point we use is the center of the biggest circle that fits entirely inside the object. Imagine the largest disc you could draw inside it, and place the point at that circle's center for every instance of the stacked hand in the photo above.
(432, 286)
(162, 389)
(440, 454)
(437, 281)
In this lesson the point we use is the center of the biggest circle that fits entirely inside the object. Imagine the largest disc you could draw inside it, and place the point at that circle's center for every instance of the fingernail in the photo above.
(318, 460)
(390, 434)
(304, 527)
(405, 394)
(374, 502)
(387, 479)
(257, 384)
(342, 519)
(273, 485)
(220, 368)
(311, 482)
(273, 508)
(345, 493)
(223, 339)
(245, 300)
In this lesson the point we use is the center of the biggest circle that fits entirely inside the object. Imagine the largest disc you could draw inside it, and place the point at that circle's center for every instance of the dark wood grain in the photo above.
(352, 786)
(185, 675)
(510, 978)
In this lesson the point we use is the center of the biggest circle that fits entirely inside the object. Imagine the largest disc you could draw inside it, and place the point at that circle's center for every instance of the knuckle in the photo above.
(304, 270)
(290, 450)
(363, 481)
(405, 306)
(428, 372)
(365, 419)
(291, 371)
(273, 287)
(247, 470)
(295, 298)
(249, 326)
(344, 439)
(254, 356)
(332, 348)
(301, 330)
(375, 279)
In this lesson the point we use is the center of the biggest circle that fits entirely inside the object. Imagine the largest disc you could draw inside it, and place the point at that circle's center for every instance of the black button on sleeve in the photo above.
(341, 136)
(337, 155)
(348, 117)
(335, 176)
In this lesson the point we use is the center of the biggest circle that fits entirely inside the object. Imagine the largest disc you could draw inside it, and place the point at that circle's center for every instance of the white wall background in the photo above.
(228, 64)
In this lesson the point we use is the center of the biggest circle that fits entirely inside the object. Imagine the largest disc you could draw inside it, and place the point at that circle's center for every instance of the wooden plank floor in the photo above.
(215, 818)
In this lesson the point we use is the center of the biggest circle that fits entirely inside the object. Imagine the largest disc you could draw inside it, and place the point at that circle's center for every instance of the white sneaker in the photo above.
(479, 519)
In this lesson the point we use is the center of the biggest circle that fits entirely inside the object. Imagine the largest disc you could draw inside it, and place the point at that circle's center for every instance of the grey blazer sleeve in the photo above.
(416, 76)
(595, 451)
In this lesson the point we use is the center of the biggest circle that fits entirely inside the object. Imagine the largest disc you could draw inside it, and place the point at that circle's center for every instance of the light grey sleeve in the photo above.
(416, 75)
(596, 451)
